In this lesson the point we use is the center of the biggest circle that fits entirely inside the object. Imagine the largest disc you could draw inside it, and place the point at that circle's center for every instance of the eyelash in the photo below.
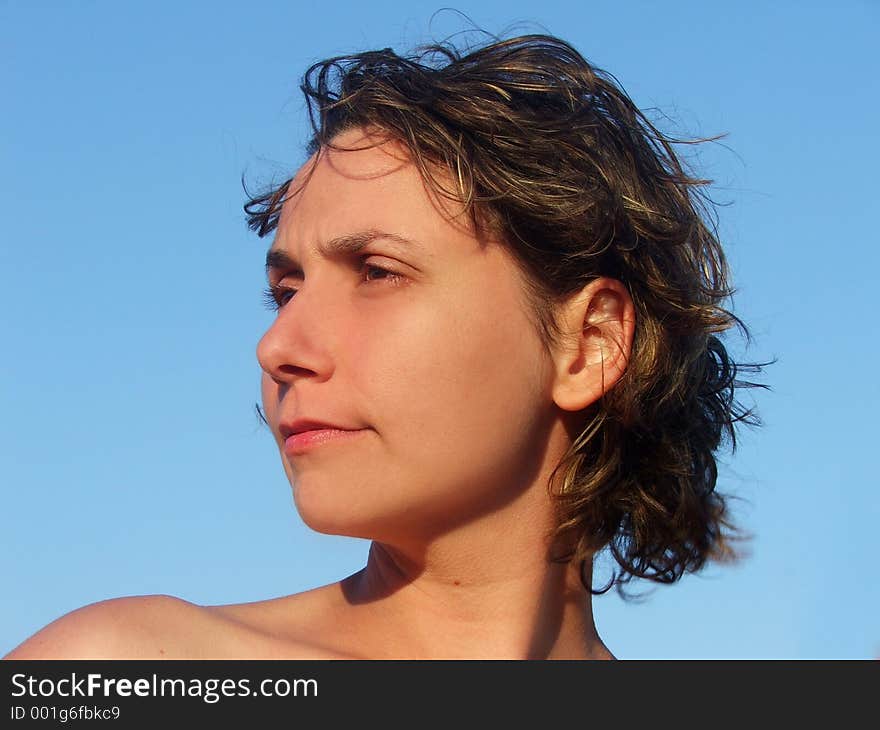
(275, 296)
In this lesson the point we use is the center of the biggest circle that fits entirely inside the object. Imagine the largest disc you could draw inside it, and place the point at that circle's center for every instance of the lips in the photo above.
(301, 425)
(303, 435)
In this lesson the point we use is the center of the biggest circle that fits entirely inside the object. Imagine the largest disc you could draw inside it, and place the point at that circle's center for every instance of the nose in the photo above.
(295, 345)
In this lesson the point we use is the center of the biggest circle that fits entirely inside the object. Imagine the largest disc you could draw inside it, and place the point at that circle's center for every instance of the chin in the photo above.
(331, 514)
(332, 525)
(336, 514)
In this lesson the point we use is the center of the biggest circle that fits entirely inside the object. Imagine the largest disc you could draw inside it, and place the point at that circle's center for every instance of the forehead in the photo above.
(373, 184)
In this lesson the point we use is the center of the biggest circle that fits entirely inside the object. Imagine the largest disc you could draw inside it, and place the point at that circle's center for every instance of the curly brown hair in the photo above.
(550, 154)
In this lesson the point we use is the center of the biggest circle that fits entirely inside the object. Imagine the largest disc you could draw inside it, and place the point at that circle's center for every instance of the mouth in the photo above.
(302, 442)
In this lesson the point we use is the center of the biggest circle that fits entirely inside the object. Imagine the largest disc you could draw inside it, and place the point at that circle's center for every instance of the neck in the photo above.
(433, 606)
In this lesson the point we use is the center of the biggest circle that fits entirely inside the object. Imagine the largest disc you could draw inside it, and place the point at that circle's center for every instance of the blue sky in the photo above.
(131, 461)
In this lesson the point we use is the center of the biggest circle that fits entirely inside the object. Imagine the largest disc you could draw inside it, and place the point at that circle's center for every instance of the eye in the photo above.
(277, 295)
(373, 272)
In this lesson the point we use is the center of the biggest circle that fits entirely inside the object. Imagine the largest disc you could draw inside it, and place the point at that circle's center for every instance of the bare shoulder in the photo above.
(132, 627)
(166, 627)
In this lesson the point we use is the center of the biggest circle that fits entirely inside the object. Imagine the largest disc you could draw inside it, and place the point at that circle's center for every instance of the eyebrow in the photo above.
(350, 243)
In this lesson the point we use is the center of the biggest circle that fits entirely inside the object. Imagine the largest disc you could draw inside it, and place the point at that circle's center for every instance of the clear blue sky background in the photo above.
(131, 461)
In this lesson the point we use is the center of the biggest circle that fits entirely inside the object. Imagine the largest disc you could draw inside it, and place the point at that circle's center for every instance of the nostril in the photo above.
(296, 370)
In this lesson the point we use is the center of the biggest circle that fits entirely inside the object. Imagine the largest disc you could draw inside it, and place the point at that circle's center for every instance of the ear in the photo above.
(598, 324)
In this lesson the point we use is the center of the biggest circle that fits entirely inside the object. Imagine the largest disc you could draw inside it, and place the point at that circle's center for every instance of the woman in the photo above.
(495, 354)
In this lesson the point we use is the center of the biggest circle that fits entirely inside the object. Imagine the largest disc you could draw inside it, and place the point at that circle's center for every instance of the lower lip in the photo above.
(300, 443)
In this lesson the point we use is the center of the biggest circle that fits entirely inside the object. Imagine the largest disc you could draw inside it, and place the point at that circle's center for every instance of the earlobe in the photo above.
(599, 324)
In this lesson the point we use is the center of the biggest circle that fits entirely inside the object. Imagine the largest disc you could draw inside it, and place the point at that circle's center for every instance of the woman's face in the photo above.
(424, 347)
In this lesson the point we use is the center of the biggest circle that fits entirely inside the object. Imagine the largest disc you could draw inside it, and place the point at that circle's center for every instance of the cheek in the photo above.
(456, 382)
(465, 428)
